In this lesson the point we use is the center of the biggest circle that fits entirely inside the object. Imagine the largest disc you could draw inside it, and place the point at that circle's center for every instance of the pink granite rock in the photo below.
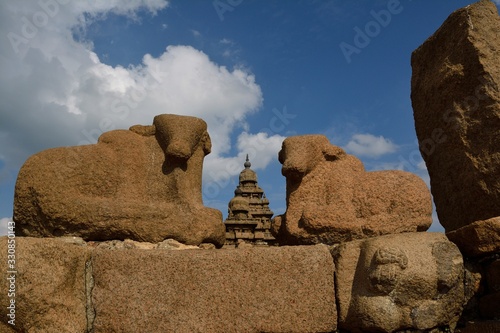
(456, 106)
(49, 286)
(273, 289)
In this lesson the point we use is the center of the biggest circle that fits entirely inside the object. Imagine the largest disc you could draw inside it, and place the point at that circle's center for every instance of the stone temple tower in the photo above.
(249, 216)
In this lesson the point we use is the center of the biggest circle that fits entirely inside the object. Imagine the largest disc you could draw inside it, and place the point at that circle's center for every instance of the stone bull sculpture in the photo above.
(331, 198)
(143, 184)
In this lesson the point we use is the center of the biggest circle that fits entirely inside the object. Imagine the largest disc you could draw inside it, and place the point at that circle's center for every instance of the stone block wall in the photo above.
(410, 281)
(80, 287)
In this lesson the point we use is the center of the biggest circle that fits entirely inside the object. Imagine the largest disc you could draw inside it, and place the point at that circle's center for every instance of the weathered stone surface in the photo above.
(127, 244)
(143, 184)
(6, 328)
(49, 286)
(207, 246)
(172, 244)
(480, 238)
(456, 104)
(331, 198)
(287, 289)
(396, 282)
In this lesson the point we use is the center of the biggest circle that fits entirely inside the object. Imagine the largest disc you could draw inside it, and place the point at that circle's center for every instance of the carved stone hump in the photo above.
(143, 184)
(331, 198)
(456, 106)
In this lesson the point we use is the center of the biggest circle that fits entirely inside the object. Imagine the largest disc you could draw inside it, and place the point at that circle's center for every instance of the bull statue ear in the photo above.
(332, 153)
(207, 143)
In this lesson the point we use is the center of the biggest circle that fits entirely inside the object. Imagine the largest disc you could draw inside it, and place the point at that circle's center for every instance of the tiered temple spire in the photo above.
(249, 216)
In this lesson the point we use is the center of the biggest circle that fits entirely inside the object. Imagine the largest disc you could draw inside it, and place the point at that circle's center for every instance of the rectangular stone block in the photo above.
(478, 239)
(285, 289)
(48, 288)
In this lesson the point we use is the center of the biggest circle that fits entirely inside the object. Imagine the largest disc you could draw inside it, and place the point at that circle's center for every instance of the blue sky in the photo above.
(255, 70)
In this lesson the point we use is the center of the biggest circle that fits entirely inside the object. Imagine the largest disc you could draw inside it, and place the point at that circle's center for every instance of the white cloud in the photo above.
(4, 225)
(370, 145)
(220, 172)
(261, 149)
(230, 49)
(226, 41)
(56, 91)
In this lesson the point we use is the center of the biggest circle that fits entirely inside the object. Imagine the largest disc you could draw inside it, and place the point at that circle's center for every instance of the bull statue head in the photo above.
(299, 155)
(178, 136)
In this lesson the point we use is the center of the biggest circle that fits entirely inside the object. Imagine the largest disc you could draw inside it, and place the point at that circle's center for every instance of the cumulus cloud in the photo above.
(370, 145)
(56, 91)
(261, 149)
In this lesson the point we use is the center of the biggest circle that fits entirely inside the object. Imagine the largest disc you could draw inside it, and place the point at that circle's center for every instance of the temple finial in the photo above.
(247, 163)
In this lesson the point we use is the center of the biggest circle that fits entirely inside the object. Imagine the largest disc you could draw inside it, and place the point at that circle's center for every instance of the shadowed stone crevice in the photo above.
(334, 252)
(89, 286)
